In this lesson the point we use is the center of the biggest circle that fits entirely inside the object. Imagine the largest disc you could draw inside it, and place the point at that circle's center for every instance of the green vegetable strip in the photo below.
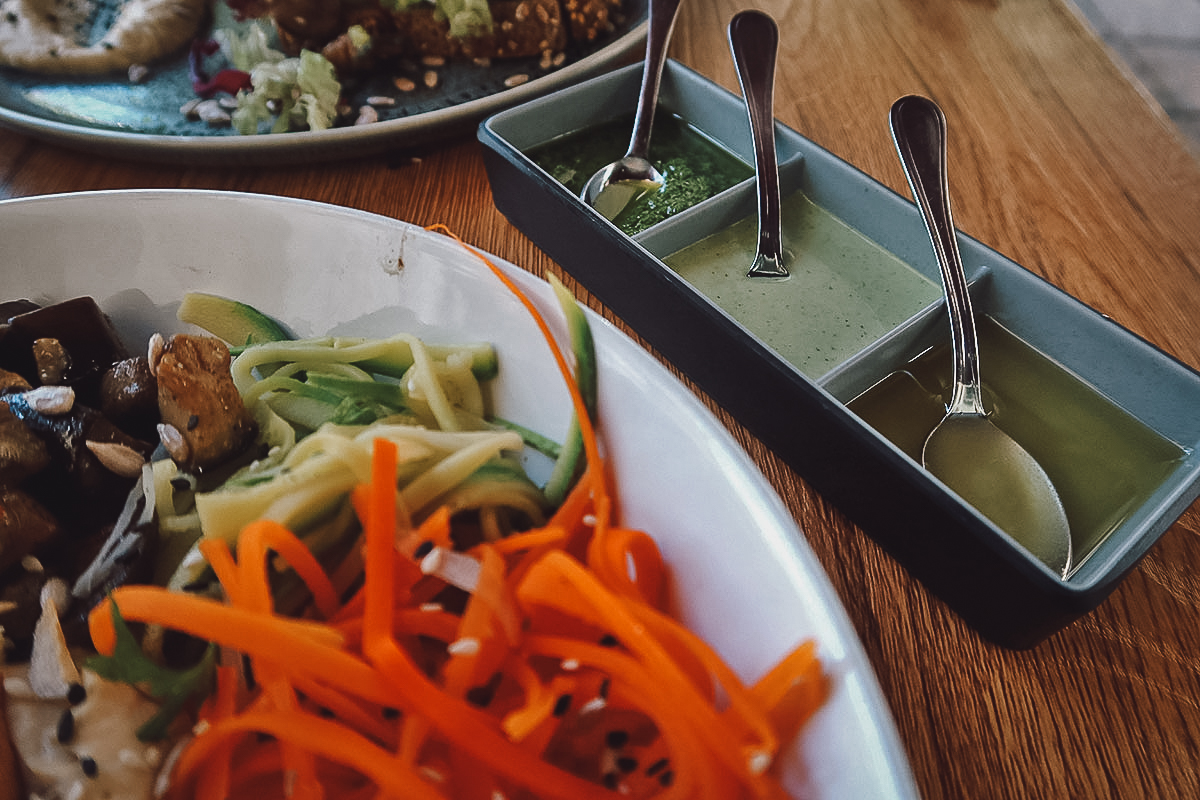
(424, 378)
(543, 444)
(454, 469)
(391, 356)
(571, 460)
(376, 391)
(175, 688)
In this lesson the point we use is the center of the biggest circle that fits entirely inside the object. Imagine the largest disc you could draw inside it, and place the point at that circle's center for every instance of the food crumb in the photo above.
(366, 115)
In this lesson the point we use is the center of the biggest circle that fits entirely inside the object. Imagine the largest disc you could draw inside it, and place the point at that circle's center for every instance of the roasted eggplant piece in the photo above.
(25, 525)
(22, 453)
(82, 489)
(129, 397)
(82, 330)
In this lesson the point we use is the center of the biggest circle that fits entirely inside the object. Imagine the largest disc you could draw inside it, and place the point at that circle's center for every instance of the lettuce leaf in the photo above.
(290, 94)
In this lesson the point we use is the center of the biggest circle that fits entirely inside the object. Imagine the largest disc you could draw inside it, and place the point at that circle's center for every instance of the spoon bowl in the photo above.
(966, 450)
(613, 187)
(754, 40)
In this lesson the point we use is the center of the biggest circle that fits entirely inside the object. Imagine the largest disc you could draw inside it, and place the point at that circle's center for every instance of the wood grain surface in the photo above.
(1060, 161)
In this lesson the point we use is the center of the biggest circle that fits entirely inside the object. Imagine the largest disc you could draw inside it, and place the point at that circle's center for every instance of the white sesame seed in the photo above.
(758, 762)
(593, 705)
(32, 564)
(200, 727)
(569, 664)
(466, 646)
(515, 80)
(432, 562)
(433, 775)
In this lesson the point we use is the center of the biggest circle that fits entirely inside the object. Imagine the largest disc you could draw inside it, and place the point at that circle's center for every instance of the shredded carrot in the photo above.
(542, 665)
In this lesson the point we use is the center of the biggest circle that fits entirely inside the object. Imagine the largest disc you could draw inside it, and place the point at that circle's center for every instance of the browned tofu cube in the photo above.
(196, 396)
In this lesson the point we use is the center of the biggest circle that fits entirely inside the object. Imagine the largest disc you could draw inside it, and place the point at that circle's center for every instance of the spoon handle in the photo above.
(919, 131)
(658, 35)
(754, 40)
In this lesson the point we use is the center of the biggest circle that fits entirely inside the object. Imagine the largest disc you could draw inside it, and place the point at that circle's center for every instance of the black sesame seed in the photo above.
(423, 549)
(390, 713)
(480, 695)
(65, 731)
(76, 694)
(562, 705)
(627, 763)
(608, 640)
(667, 778)
(325, 712)
(605, 685)
(657, 767)
(11, 17)
(616, 739)
(192, 422)
(89, 766)
(611, 779)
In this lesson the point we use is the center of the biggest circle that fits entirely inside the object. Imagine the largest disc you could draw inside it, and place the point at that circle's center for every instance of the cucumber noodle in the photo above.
(319, 404)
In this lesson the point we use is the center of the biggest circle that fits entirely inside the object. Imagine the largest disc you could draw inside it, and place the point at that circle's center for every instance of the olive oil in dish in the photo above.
(1103, 462)
(844, 291)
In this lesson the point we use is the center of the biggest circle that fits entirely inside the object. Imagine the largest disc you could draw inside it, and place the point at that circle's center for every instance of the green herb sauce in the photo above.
(695, 167)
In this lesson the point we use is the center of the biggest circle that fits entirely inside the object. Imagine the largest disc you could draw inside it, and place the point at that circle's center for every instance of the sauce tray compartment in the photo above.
(1142, 400)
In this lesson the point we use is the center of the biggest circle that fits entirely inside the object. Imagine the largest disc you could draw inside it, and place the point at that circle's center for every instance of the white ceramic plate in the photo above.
(743, 575)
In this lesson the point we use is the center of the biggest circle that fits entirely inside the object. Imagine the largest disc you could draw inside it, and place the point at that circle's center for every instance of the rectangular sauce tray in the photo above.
(1114, 416)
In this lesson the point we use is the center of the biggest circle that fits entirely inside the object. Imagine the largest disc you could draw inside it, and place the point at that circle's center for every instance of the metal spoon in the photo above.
(617, 185)
(968, 453)
(754, 39)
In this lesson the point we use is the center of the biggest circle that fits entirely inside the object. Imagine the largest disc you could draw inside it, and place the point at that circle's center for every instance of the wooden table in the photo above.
(1059, 161)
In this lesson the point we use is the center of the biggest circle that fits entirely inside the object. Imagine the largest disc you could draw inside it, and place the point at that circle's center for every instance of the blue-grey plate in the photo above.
(114, 116)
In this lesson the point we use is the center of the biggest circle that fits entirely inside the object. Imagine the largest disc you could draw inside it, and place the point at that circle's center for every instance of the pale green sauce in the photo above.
(844, 290)
(1103, 462)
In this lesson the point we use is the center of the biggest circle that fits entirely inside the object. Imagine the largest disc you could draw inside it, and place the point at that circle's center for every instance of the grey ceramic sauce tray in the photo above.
(978, 570)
